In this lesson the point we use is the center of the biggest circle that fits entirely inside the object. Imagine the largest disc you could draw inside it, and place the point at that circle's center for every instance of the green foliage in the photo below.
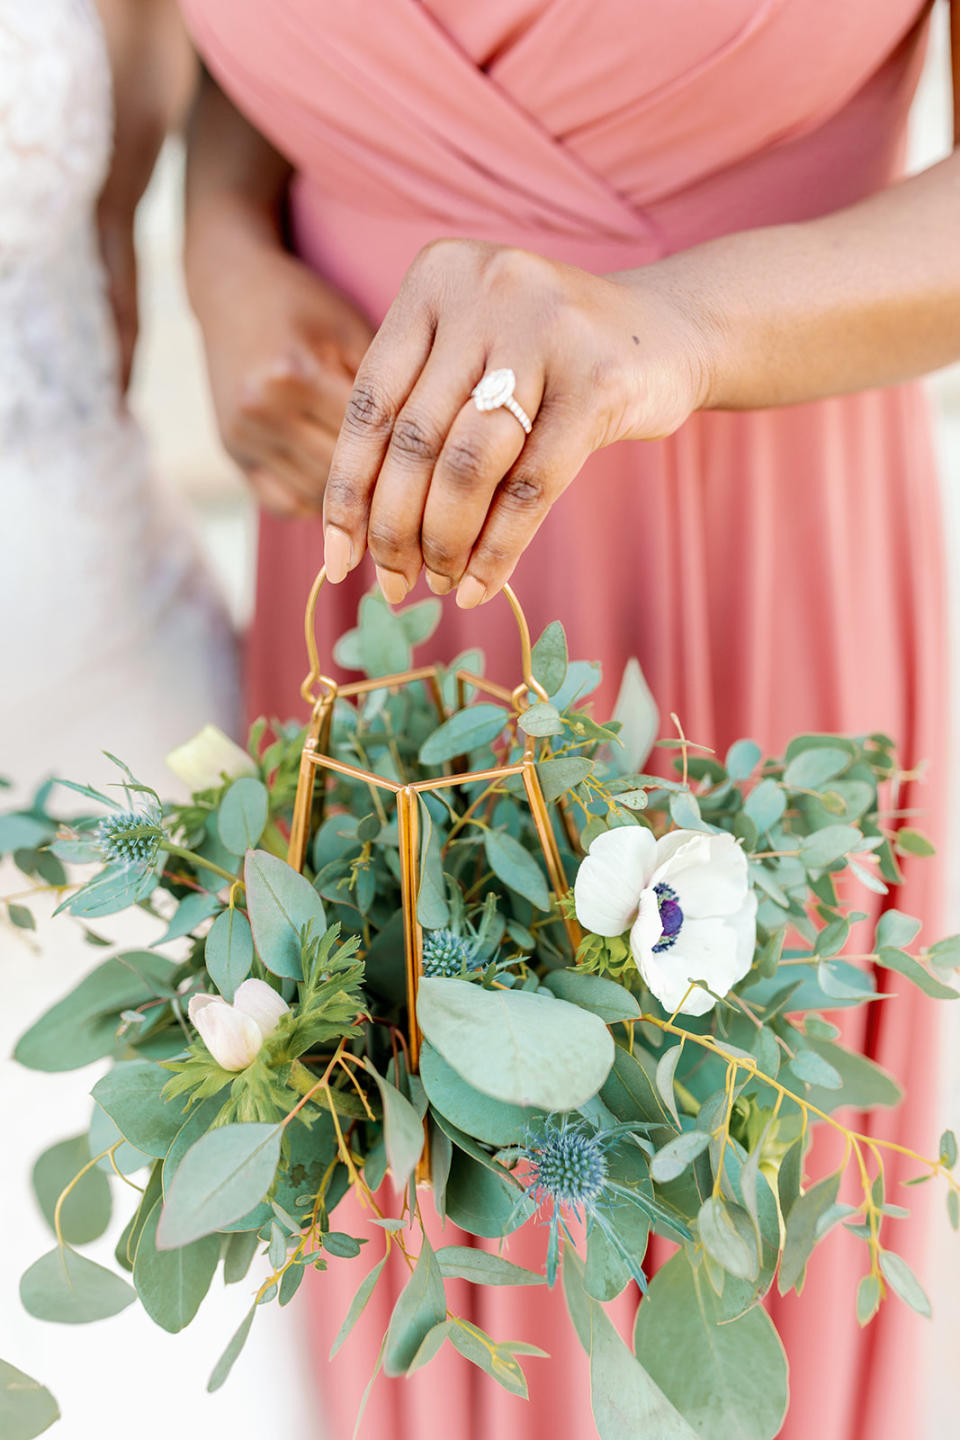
(222, 1176)
(67, 1287)
(85, 1212)
(171, 1284)
(625, 1397)
(420, 1306)
(733, 1382)
(27, 1408)
(515, 1046)
(551, 1080)
(280, 904)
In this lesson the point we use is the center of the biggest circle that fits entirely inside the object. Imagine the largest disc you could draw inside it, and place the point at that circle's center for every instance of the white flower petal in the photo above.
(259, 1001)
(202, 762)
(612, 877)
(717, 951)
(704, 950)
(232, 1038)
(708, 873)
(197, 1003)
(648, 926)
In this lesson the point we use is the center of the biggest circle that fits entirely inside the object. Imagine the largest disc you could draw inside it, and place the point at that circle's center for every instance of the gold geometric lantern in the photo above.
(316, 764)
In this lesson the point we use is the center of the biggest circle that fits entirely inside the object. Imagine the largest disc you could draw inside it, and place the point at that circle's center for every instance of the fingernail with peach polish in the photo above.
(337, 554)
(471, 592)
(439, 584)
(393, 585)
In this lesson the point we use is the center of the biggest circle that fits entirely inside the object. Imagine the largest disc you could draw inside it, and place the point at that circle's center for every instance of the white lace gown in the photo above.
(111, 636)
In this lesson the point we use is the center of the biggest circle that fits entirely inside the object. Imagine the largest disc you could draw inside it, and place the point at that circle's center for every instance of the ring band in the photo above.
(495, 392)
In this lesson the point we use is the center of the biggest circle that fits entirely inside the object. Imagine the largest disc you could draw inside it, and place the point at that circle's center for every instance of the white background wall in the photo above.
(154, 1383)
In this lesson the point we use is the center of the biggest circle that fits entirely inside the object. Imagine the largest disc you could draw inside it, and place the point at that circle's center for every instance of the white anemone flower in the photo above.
(687, 902)
(234, 1033)
(203, 761)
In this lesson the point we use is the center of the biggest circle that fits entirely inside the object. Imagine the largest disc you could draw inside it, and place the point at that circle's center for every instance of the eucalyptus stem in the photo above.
(183, 854)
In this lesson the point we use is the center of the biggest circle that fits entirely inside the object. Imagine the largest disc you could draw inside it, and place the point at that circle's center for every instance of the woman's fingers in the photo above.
(388, 374)
(548, 462)
(480, 449)
(421, 434)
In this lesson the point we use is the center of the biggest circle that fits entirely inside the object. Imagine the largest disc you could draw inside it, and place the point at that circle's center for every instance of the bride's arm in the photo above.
(153, 72)
(282, 346)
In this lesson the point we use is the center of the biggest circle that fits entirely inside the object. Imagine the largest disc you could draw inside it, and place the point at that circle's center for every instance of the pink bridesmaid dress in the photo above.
(774, 572)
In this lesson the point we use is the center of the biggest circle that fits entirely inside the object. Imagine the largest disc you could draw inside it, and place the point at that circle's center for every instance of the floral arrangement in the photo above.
(645, 1052)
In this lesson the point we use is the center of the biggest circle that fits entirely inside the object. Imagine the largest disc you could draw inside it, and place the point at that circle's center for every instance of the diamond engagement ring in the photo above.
(495, 391)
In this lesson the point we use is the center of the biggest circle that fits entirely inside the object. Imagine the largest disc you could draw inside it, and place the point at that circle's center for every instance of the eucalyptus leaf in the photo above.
(742, 759)
(243, 814)
(727, 1233)
(280, 904)
(420, 1306)
(357, 1305)
(466, 730)
(403, 1130)
(612, 1002)
(68, 1288)
(562, 773)
(626, 1400)
(811, 769)
(801, 1230)
(516, 867)
(677, 1154)
(515, 1046)
(131, 1094)
(228, 951)
(497, 1361)
(902, 1280)
(172, 1283)
(665, 1075)
(191, 912)
(728, 1378)
(229, 1357)
(82, 1026)
(481, 1267)
(550, 658)
(492, 1121)
(912, 970)
(85, 1213)
(896, 930)
(222, 1176)
(27, 1408)
(541, 719)
(765, 805)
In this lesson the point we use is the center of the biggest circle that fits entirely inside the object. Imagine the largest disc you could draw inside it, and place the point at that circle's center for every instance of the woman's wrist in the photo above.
(226, 234)
(679, 341)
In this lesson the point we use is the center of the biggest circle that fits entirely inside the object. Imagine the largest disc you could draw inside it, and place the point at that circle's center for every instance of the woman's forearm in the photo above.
(153, 72)
(866, 296)
(236, 188)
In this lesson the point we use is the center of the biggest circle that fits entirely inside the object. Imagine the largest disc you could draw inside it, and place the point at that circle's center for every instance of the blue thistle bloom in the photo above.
(567, 1165)
(568, 1170)
(130, 837)
(446, 954)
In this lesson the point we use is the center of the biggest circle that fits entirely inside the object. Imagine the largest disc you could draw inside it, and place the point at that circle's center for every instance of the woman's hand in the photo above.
(422, 477)
(283, 349)
(282, 346)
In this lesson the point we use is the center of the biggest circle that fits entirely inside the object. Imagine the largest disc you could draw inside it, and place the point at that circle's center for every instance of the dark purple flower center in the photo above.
(671, 916)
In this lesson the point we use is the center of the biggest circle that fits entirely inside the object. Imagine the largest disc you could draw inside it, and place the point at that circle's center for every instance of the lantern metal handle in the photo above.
(316, 675)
